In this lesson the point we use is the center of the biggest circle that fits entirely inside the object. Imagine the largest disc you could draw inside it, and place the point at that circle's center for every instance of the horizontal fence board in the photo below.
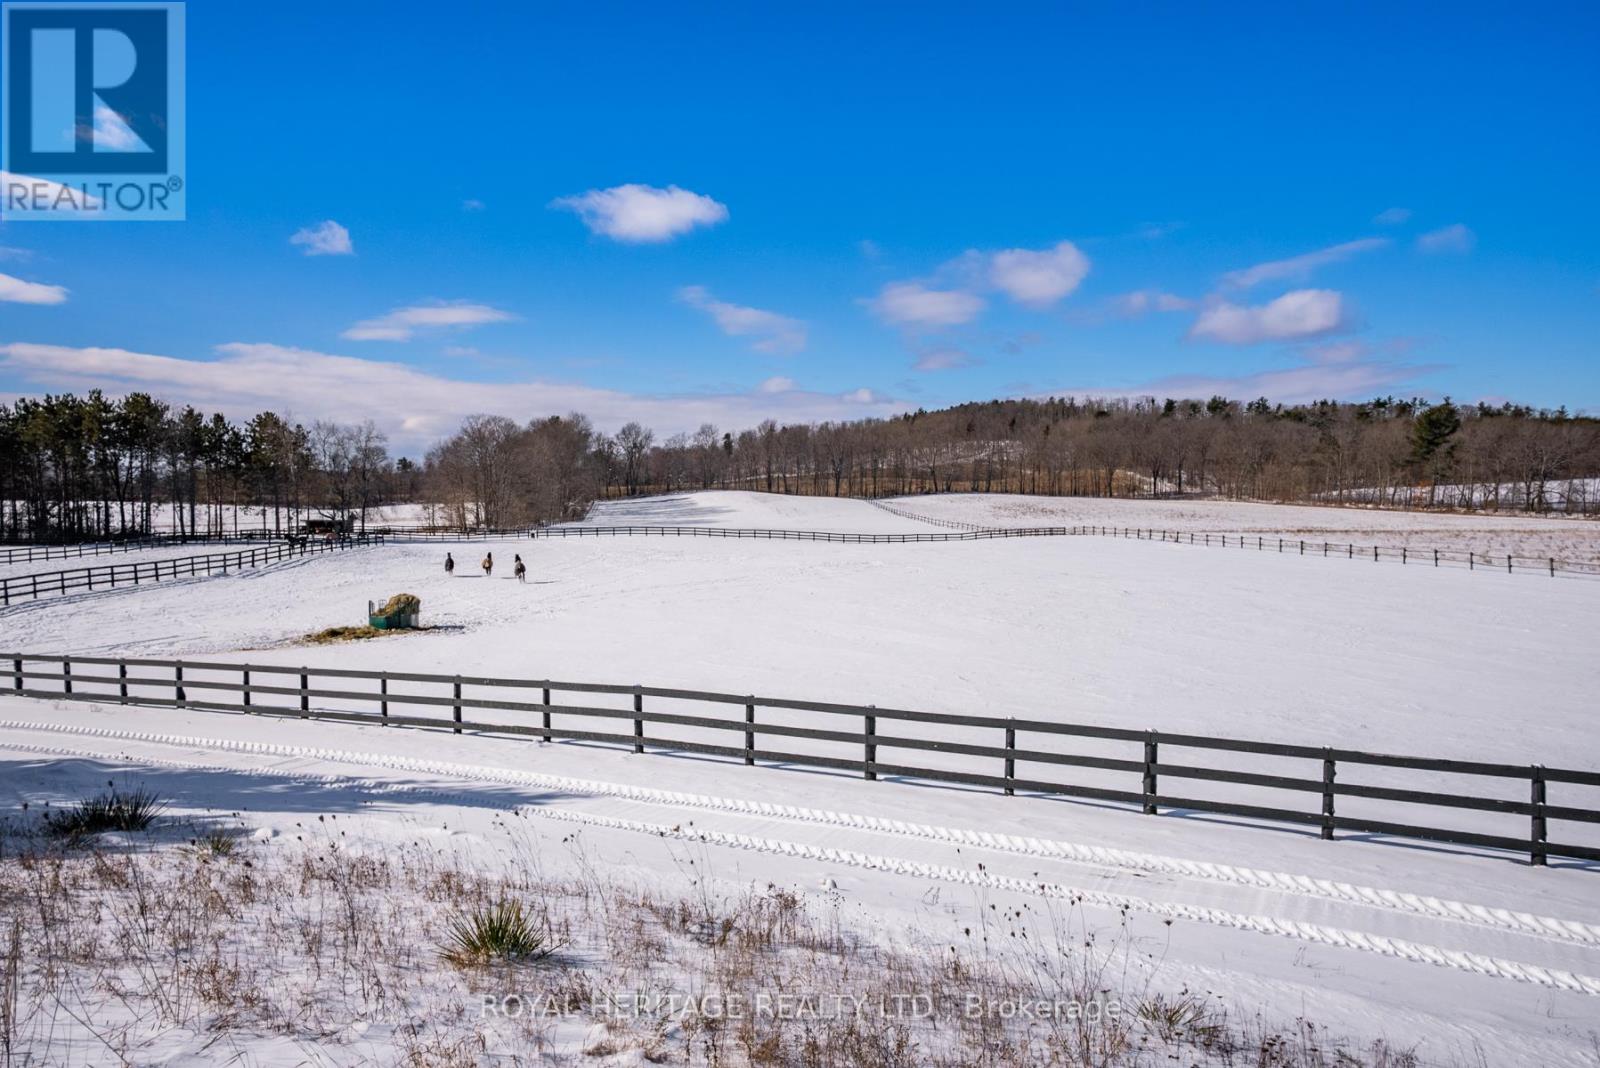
(1410, 830)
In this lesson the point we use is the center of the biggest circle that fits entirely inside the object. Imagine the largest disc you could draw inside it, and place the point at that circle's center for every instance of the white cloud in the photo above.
(1297, 268)
(414, 406)
(1454, 238)
(461, 350)
(942, 360)
(17, 291)
(1392, 216)
(775, 334)
(402, 323)
(327, 238)
(472, 204)
(776, 384)
(1298, 314)
(1336, 352)
(642, 213)
(8, 252)
(1038, 279)
(914, 305)
(1141, 301)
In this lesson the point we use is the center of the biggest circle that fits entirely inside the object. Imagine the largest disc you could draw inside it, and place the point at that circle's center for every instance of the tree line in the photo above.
(93, 467)
(1387, 451)
(77, 468)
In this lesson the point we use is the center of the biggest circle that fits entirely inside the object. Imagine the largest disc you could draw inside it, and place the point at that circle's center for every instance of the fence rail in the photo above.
(737, 532)
(1399, 554)
(903, 513)
(26, 554)
(525, 707)
(139, 572)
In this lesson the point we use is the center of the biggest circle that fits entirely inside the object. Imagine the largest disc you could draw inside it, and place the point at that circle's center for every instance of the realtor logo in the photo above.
(93, 111)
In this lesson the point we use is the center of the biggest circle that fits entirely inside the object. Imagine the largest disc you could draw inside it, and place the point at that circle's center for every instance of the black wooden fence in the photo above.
(27, 554)
(526, 707)
(732, 532)
(1398, 554)
(139, 572)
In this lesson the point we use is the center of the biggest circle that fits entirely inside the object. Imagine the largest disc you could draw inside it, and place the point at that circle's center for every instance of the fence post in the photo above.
(1508, 565)
(871, 756)
(305, 697)
(1539, 829)
(1436, 558)
(177, 683)
(638, 724)
(1552, 567)
(1011, 758)
(122, 682)
(1374, 554)
(547, 710)
(383, 691)
(1150, 755)
(455, 711)
(16, 668)
(66, 674)
(1329, 770)
(749, 729)
(244, 682)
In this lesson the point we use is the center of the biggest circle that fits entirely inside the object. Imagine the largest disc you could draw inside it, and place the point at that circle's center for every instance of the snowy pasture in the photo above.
(1463, 955)
(1564, 538)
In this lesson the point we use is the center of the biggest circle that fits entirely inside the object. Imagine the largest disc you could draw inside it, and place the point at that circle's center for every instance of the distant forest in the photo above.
(75, 468)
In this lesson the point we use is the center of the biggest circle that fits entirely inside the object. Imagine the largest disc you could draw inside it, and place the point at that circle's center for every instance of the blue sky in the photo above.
(827, 211)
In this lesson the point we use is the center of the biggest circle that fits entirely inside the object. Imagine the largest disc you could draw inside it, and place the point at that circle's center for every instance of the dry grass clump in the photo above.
(501, 933)
(114, 810)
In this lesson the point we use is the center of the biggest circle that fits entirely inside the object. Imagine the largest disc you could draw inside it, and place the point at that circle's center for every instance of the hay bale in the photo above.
(401, 604)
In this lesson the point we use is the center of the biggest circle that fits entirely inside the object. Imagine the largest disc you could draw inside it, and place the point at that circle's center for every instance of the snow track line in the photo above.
(1338, 937)
(1511, 920)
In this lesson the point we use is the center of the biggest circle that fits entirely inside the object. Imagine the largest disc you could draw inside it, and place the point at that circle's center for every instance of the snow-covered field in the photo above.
(1572, 539)
(1450, 951)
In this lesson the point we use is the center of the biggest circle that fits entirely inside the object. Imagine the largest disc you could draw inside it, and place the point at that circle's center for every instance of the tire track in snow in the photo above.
(1511, 920)
(1337, 937)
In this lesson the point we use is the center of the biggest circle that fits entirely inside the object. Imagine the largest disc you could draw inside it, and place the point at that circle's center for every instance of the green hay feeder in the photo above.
(399, 612)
